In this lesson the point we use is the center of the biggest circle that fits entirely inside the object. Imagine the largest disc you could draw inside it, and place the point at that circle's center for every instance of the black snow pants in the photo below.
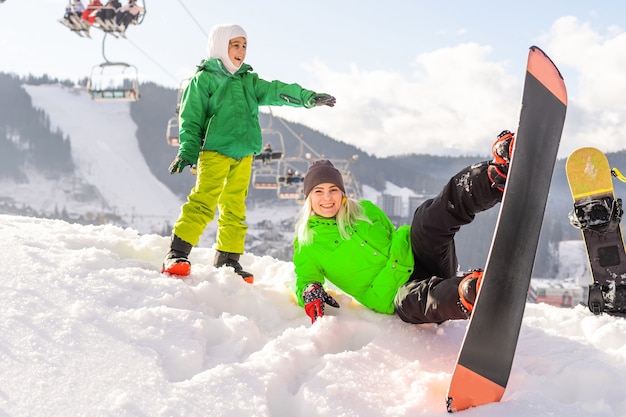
(431, 294)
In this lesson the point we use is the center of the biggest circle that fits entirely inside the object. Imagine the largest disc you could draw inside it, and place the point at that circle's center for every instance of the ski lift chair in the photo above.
(273, 156)
(292, 191)
(264, 179)
(172, 133)
(113, 81)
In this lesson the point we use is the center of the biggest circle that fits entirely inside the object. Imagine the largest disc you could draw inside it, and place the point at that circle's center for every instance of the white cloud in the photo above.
(455, 102)
(593, 66)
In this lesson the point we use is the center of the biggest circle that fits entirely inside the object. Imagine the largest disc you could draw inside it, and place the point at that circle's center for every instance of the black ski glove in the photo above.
(178, 164)
(314, 299)
(497, 174)
(323, 100)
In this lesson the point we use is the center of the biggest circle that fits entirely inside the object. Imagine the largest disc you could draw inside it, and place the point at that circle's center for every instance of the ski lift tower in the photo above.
(349, 181)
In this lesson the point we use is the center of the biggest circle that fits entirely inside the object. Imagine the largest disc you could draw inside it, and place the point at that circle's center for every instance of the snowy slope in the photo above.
(107, 155)
(89, 327)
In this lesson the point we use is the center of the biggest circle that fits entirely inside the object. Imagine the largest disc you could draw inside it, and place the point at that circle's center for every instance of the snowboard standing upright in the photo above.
(598, 213)
(486, 356)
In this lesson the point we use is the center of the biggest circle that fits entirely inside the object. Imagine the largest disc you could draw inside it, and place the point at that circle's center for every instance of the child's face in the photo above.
(237, 50)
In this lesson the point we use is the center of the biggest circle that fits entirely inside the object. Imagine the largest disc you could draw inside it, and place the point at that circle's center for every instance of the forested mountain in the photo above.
(26, 136)
(28, 142)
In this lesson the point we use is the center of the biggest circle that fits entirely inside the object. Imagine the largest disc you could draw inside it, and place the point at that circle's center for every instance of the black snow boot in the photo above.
(176, 261)
(232, 260)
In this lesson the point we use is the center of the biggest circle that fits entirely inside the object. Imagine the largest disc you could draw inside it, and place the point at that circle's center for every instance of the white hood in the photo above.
(218, 42)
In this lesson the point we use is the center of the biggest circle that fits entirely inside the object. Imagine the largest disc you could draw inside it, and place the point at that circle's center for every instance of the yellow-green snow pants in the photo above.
(221, 182)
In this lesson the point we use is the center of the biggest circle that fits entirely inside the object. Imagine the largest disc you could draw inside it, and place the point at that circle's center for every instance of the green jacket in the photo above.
(370, 266)
(220, 111)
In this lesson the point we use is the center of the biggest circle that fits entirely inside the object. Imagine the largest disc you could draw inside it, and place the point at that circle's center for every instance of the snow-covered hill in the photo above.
(107, 156)
(89, 327)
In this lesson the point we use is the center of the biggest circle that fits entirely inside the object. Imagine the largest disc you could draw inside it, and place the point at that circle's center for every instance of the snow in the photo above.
(89, 327)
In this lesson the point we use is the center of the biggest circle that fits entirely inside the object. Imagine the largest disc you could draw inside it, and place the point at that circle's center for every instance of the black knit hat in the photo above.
(320, 172)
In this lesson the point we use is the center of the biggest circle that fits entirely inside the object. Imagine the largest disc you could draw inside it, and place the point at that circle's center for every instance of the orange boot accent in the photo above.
(474, 274)
(179, 269)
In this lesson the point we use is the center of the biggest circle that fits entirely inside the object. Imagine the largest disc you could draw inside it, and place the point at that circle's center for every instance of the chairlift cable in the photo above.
(193, 18)
(153, 60)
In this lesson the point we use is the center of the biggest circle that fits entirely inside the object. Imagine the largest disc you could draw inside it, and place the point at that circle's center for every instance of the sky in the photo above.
(90, 327)
(426, 77)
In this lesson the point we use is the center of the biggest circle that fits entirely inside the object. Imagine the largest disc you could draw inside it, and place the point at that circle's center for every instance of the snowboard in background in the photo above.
(486, 356)
(598, 213)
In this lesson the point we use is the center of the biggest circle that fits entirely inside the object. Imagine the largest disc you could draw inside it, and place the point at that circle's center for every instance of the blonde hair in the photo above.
(350, 213)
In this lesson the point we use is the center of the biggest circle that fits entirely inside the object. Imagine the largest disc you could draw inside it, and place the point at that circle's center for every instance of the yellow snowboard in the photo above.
(598, 213)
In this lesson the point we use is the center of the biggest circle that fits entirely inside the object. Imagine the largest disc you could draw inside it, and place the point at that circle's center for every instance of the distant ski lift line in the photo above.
(112, 81)
(139, 19)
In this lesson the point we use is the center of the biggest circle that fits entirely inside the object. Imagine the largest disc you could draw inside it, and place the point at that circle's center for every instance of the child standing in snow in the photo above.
(220, 133)
(410, 271)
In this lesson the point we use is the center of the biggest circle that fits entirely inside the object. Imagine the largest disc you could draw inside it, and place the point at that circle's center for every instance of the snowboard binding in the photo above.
(602, 215)
(609, 299)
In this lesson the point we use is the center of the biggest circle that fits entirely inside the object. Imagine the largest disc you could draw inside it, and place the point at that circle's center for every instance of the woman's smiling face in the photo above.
(326, 200)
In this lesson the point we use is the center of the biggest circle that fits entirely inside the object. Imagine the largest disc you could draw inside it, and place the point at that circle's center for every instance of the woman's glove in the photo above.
(314, 299)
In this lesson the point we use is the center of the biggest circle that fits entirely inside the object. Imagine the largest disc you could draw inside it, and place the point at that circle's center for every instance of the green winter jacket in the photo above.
(223, 108)
(370, 266)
